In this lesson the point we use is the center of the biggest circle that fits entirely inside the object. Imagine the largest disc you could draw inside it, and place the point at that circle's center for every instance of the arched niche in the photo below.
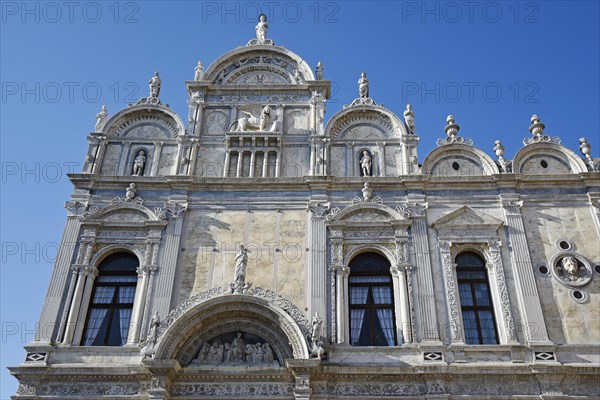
(183, 335)
(547, 158)
(458, 160)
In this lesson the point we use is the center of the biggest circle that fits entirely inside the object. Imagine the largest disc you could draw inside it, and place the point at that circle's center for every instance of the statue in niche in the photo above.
(101, 118)
(139, 163)
(199, 71)
(252, 123)
(363, 86)
(319, 71)
(261, 28)
(155, 83)
(409, 118)
(365, 163)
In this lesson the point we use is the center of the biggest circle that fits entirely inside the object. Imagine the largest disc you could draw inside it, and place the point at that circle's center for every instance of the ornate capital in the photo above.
(512, 207)
(412, 210)
(75, 208)
(319, 209)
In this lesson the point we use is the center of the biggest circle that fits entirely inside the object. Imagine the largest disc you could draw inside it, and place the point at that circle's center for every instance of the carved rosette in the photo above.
(453, 309)
(495, 259)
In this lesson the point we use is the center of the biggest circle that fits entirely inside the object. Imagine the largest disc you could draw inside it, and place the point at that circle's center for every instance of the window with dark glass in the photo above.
(371, 301)
(475, 299)
(109, 312)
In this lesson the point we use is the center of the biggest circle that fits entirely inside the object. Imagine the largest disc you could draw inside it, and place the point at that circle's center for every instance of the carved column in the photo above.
(313, 158)
(238, 168)
(317, 270)
(403, 322)
(381, 148)
(168, 258)
(138, 303)
(265, 169)
(155, 240)
(50, 319)
(426, 299)
(527, 293)
(252, 163)
(595, 209)
(123, 160)
(498, 282)
(226, 165)
(452, 302)
(99, 156)
(156, 159)
(191, 165)
(341, 289)
(278, 163)
(85, 279)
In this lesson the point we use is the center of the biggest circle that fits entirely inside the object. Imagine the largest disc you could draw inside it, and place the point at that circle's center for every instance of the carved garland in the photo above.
(496, 262)
(455, 328)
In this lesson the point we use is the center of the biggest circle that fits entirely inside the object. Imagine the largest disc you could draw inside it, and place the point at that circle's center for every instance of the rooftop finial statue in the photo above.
(363, 86)
(409, 118)
(261, 28)
(155, 83)
(199, 71)
(101, 118)
(319, 71)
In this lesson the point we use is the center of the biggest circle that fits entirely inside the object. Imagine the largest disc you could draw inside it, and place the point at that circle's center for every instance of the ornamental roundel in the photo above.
(571, 269)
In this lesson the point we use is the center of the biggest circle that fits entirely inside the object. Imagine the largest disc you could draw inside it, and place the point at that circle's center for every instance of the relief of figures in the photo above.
(235, 352)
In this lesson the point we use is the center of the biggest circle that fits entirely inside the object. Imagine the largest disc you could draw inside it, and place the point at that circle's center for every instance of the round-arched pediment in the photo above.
(257, 65)
(145, 122)
(459, 160)
(207, 317)
(547, 158)
(364, 122)
(367, 212)
(124, 212)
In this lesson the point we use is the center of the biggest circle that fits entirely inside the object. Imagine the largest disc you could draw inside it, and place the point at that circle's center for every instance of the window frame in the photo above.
(114, 305)
(476, 308)
(371, 306)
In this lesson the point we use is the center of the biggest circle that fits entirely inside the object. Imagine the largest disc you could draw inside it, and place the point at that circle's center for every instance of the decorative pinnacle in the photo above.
(452, 128)
(536, 128)
(586, 150)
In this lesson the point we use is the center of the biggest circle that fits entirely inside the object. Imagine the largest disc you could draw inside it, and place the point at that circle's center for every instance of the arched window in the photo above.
(371, 302)
(475, 299)
(109, 313)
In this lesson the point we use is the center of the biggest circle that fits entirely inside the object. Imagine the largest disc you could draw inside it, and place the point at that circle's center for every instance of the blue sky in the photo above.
(490, 64)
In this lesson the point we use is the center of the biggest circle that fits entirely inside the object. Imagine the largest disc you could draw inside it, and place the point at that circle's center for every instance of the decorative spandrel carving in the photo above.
(236, 349)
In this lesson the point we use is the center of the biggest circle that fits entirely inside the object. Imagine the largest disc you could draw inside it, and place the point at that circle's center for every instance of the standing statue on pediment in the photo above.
(101, 118)
(409, 118)
(261, 28)
(155, 83)
(199, 71)
(363, 86)
(319, 71)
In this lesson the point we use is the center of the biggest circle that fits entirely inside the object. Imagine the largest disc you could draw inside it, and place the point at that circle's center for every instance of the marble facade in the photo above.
(293, 190)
